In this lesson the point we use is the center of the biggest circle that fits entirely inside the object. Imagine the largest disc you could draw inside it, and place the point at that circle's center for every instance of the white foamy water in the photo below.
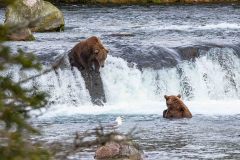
(210, 85)
(209, 107)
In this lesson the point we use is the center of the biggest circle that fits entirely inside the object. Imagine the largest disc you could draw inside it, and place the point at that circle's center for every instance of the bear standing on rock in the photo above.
(176, 108)
(88, 53)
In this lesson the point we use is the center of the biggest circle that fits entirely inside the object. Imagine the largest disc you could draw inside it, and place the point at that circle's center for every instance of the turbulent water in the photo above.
(154, 50)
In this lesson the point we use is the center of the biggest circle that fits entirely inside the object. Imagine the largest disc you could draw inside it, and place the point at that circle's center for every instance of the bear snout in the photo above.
(169, 102)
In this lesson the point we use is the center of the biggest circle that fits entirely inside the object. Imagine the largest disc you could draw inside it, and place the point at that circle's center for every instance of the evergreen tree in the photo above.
(16, 103)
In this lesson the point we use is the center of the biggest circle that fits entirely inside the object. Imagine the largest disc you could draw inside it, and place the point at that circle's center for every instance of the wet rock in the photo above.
(20, 34)
(38, 15)
(94, 84)
(119, 149)
(155, 57)
(110, 150)
(191, 52)
(158, 57)
(122, 34)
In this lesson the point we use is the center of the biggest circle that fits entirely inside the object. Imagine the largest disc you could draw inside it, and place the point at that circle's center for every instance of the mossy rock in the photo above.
(19, 34)
(38, 15)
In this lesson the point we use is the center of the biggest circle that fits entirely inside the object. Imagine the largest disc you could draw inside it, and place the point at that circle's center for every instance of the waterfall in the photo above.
(208, 84)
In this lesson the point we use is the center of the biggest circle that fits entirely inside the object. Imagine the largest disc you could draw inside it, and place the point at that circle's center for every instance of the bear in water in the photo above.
(176, 108)
(88, 53)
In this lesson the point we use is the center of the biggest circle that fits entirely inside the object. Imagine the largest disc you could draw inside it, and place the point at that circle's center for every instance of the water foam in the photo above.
(208, 85)
(209, 107)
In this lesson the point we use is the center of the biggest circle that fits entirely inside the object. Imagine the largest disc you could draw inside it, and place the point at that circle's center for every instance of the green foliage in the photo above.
(3, 33)
(16, 103)
(15, 147)
(156, 1)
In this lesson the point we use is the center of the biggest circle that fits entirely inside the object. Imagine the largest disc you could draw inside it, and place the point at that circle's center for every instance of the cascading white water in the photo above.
(209, 85)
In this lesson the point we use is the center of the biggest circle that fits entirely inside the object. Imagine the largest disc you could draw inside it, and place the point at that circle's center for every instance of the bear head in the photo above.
(176, 108)
(100, 51)
(171, 100)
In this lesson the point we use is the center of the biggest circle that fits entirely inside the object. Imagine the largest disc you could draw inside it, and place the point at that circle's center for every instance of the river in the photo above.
(154, 50)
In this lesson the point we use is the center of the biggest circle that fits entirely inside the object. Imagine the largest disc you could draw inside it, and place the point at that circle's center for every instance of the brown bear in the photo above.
(176, 108)
(88, 53)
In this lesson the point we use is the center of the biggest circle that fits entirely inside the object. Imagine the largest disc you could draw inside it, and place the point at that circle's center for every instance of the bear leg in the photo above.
(164, 113)
(96, 65)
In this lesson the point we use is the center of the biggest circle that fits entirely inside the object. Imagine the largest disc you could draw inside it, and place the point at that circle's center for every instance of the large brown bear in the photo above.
(88, 53)
(176, 108)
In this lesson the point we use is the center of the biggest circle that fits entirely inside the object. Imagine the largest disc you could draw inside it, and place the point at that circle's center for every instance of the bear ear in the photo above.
(179, 96)
(96, 51)
(166, 97)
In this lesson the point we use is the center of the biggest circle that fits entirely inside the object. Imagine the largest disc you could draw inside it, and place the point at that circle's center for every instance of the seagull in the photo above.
(116, 124)
(119, 121)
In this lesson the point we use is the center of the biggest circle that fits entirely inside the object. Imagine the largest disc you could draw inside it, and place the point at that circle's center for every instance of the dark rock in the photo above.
(121, 34)
(94, 84)
(151, 57)
(157, 57)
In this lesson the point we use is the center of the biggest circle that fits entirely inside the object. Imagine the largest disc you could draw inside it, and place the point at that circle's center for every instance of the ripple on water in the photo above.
(202, 137)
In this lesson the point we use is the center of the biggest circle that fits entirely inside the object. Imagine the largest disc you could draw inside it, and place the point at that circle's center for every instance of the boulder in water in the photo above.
(38, 15)
(118, 149)
(20, 34)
